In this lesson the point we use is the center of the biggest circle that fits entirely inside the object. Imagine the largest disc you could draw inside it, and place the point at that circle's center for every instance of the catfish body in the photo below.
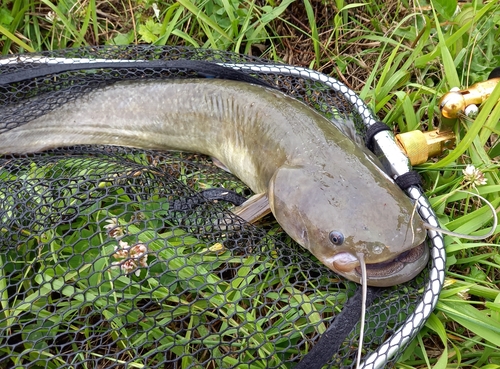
(325, 192)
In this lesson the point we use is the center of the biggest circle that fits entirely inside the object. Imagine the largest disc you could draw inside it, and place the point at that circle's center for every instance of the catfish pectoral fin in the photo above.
(220, 164)
(255, 208)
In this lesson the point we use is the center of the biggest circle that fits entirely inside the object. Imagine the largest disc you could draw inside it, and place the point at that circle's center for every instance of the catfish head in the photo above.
(338, 213)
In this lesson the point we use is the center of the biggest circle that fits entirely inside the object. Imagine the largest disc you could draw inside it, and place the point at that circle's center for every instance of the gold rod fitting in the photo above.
(453, 103)
(420, 146)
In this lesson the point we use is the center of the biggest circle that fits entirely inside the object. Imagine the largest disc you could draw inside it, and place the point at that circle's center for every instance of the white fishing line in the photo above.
(468, 236)
(364, 288)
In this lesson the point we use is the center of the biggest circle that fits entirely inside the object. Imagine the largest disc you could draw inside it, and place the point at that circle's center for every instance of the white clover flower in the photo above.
(51, 16)
(113, 228)
(131, 258)
(473, 176)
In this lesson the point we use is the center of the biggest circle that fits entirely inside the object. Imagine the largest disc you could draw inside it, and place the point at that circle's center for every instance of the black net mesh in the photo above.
(111, 258)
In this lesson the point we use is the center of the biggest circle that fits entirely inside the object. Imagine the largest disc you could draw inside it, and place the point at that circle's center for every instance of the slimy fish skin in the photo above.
(326, 192)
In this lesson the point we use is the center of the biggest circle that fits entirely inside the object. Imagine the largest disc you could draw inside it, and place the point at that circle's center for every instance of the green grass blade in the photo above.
(437, 326)
(422, 61)
(473, 319)
(448, 63)
(78, 39)
(314, 31)
(183, 35)
(203, 18)
(4, 31)
(170, 21)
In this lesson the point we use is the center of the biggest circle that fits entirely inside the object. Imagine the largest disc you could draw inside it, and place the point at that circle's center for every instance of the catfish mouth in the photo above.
(388, 268)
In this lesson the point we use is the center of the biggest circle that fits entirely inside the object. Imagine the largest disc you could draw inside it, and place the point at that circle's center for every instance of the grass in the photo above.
(401, 56)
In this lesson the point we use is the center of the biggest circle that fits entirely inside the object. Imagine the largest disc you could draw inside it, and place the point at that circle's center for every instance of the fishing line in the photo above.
(467, 236)
(342, 325)
(361, 258)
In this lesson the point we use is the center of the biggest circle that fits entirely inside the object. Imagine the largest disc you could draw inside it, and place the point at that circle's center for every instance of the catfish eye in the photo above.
(336, 237)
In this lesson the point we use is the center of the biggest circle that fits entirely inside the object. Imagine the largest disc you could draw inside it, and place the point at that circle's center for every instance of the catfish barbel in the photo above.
(326, 192)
